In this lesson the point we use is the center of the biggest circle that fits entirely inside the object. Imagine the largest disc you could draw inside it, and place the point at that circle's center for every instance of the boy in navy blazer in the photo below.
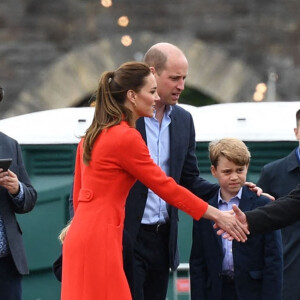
(229, 270)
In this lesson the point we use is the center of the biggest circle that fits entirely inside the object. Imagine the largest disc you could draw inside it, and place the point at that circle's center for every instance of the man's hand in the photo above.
(241, 221)
(252, 186)
(240, 215)
(272, 198)
(259, 192)
(9, 180)
(232, 226)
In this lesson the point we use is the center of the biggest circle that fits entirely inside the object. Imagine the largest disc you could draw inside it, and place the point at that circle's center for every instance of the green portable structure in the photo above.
(48, 141)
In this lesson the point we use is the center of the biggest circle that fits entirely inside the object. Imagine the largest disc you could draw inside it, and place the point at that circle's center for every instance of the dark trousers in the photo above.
(10, 280)
(228, 291)
(151, 263)
(128, 260)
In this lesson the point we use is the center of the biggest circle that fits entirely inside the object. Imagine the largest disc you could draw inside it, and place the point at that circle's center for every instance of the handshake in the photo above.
(236, 226)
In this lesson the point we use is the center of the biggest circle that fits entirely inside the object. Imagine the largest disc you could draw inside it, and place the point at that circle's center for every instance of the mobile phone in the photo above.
(5, 163)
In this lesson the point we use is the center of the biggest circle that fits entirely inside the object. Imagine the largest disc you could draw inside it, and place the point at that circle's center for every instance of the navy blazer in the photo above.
(183, 168)
(257, 262)
(281, 176)
(278, 178)
(9, 148)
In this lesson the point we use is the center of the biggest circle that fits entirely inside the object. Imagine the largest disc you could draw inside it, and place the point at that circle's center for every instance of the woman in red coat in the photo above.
(110, 158)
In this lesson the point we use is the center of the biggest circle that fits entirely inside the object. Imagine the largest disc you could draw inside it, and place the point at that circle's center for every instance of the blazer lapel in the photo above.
(175, 131)
(140, 126)
(172, 132)
(246, 202)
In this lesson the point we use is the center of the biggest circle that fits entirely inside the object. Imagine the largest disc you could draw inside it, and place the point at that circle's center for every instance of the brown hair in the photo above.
(110, 99)
(298, 118)
(233, 149)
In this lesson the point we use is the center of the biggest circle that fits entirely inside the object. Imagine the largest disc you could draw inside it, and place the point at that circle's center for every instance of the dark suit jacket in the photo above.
(257, 263)
(9, 148)
(278, 178)
(281, 176)
(275, 215)
(183, 168)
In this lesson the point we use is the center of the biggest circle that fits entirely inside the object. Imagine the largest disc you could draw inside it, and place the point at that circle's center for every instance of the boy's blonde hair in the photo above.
(233, 149)
(64, 232)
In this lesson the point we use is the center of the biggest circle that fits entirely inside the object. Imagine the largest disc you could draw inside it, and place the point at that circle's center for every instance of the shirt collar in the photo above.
(167, 112)
(168, 109)
(238, 196)
(298, 154)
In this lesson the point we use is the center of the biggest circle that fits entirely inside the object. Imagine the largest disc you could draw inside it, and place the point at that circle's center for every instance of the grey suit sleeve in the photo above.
(30, 194)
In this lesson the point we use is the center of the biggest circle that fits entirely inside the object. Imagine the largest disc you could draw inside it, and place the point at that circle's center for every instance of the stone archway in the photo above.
(75, 75)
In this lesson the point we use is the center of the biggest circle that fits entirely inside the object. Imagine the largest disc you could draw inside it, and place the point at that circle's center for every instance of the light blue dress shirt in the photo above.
(18, 200)
(227, 245)
(298, 154)
(158, 141)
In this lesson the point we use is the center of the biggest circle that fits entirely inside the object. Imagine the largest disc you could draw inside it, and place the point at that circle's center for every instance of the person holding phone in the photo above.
(17, 195)
(5, 163)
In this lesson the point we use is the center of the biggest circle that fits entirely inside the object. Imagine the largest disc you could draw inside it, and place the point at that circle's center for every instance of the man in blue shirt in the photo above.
(151, 224)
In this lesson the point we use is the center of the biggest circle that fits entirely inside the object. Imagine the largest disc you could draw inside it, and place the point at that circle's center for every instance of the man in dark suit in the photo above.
(151, 224)
(221, 269)
(278, 178)
(17, 195)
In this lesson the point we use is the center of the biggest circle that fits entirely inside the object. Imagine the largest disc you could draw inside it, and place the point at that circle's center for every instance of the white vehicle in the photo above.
(249, 121)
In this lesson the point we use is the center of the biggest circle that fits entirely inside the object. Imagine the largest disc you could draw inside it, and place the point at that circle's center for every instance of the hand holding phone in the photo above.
(5, 163)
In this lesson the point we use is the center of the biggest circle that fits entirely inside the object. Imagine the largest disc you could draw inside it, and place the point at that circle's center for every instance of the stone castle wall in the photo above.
(263, 35)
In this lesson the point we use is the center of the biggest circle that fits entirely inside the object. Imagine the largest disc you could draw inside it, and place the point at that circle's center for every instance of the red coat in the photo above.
(92, 251)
